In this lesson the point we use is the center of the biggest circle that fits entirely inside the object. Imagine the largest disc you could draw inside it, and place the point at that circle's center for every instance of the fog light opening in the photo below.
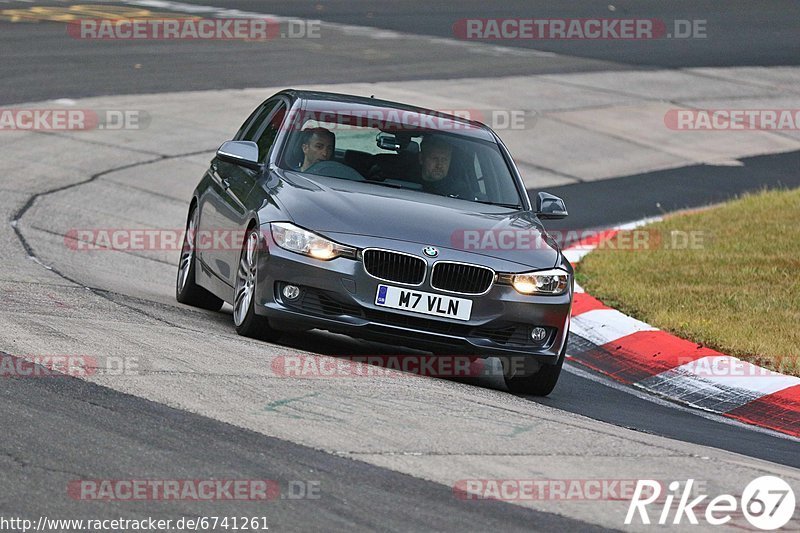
(538, 334)
(291, 292)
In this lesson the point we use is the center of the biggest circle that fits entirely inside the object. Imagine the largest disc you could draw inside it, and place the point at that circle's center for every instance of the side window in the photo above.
(251, 126)
(266, 137)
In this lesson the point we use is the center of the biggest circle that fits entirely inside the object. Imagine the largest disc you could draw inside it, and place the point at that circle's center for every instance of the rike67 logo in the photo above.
(768, 503)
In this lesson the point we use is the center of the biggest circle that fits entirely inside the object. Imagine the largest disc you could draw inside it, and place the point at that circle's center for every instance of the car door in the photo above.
(225, 213)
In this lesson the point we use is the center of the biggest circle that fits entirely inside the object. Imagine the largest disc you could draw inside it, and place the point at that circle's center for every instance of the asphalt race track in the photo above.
(386, 451)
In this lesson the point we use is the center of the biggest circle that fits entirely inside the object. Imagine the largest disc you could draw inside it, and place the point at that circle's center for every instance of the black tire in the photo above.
(187, 291)
(542, 382)
(245, 319)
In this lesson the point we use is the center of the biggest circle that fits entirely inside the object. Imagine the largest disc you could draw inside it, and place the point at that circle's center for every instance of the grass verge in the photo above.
(727, 277)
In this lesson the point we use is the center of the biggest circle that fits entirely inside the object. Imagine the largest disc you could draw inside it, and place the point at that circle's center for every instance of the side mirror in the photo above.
(243, 153)
(550, 207)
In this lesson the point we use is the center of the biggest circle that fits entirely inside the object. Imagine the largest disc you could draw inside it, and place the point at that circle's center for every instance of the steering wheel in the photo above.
(334, 169)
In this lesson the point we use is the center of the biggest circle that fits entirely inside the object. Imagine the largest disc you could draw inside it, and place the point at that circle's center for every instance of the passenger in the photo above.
(318, 145)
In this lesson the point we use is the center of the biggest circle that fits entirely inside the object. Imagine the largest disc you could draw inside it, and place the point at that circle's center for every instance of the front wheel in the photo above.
(542, 382)
(247, 322)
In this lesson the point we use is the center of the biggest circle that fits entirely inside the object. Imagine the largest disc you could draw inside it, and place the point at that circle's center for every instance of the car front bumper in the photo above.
(339, 296)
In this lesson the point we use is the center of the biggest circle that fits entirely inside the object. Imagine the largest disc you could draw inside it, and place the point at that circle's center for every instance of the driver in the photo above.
(318, 145)
(434, 158)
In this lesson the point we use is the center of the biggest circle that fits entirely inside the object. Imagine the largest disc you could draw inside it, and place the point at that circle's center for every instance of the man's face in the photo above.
(319, 148)
(435, 163)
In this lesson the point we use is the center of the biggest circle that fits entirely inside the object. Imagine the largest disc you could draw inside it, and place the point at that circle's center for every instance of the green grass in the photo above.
(737, 292)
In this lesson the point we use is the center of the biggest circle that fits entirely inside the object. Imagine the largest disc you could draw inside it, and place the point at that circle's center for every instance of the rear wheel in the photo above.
(542, 382)
(186, 290)
(247, 322)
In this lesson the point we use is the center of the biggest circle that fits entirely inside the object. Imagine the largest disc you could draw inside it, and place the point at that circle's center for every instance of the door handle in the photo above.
(226, 184)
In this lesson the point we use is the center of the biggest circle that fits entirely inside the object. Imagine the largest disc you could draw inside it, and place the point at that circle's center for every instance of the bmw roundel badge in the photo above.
(430, 251)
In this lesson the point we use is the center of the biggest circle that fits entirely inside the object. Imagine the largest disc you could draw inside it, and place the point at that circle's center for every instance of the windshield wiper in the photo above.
(392, 185)
(500, 204)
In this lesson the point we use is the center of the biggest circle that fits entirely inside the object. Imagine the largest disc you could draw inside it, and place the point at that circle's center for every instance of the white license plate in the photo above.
(423, 302)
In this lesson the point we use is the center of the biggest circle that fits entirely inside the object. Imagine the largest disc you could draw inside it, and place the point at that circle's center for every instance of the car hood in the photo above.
(330, 205)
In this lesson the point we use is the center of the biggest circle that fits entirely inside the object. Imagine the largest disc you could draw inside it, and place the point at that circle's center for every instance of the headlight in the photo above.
(290, 237)
(554, 281)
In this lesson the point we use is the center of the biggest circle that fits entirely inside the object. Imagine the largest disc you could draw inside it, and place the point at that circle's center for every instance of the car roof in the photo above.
(338, 101)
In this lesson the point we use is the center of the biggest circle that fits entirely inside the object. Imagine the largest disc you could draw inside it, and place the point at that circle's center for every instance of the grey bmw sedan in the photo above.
(383, 221)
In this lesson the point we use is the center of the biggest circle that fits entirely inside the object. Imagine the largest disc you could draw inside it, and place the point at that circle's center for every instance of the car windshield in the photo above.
(428, 154)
